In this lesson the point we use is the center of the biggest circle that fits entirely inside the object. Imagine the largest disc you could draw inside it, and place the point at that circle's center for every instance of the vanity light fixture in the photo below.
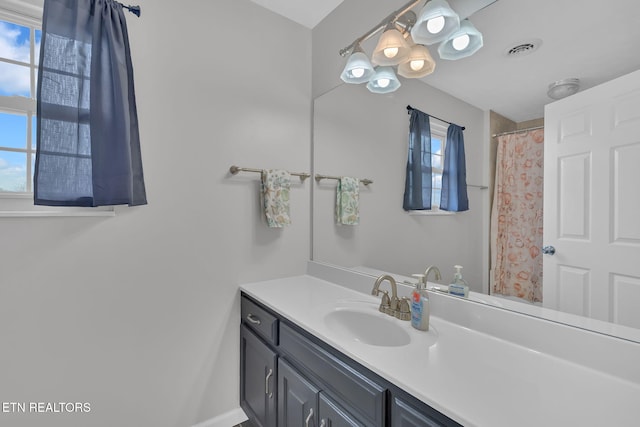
(436, 22)
(392, 49)
(384, 81)
(358, 68)
(402, 45)
(465, 41)
(418, 64)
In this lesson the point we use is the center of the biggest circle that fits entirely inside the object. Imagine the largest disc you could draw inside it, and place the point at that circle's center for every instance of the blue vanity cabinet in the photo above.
(407, 411)
(290, 378)
(297, 398)
(359, 392)
(332, 415)
(258, 376)
(301, 403)
(258, 364)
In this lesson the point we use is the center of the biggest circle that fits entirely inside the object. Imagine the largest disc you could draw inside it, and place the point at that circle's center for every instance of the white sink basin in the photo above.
(368, 326)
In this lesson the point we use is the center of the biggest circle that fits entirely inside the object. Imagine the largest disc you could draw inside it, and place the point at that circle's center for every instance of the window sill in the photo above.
(20, 205)
(66, 213)
(430, 213)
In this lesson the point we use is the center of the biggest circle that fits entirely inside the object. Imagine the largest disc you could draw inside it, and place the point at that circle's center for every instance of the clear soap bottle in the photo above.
(420, 304)
(458, 285)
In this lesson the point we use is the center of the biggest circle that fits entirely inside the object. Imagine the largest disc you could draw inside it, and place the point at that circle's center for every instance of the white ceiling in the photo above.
(306, 12)
(592, 40)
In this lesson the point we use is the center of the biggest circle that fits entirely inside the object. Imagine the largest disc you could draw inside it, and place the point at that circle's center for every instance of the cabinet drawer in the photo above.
(259, 320)
(354, 390)
(417, 414)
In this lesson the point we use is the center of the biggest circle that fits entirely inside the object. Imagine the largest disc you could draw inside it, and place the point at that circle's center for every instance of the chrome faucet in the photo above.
(429, 270)
(388, 305)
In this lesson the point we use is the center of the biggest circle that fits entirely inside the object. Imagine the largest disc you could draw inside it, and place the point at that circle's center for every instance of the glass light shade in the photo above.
(358, 69)
(383, 81)
(563, 88)
(457, 46)
(392, 48)
(419, 64)
(435, 15)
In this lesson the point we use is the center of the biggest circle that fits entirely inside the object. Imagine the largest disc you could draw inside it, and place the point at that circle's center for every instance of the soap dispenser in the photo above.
(458, 285)
(420, 304)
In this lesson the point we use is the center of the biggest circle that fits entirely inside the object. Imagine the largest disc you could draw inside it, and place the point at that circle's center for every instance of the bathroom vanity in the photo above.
(308, 359)
(290, 378)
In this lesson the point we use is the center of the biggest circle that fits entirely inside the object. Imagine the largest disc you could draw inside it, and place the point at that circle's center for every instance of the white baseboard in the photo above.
(229, 419)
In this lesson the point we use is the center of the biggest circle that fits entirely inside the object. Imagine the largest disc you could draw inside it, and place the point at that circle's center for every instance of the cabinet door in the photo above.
(257, 379)
(297, 398)
(406, 415)
(332, 415)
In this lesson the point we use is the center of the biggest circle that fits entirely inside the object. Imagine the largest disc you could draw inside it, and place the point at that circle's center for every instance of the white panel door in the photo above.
(592, 202)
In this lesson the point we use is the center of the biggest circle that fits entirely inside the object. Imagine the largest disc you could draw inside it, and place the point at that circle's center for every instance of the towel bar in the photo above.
(319, 178)
(235, 169)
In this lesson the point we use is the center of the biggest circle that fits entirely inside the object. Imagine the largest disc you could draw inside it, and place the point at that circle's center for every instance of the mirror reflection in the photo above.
(363, 135)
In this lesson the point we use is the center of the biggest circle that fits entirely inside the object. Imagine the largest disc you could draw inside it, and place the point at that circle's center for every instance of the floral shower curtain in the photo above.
(516, 217)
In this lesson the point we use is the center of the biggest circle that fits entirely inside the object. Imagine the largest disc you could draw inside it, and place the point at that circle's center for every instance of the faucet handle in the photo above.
(385, 303)
(404, 309)
(392, 307)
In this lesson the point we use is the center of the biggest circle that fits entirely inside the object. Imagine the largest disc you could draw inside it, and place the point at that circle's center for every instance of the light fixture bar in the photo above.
(392, 18)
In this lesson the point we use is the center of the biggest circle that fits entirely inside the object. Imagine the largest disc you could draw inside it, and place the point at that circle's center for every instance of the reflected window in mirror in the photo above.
(438, 141)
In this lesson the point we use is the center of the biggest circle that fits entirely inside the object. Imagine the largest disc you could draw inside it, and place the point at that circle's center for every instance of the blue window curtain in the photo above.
(417, 186)
(88, 151)
(454, 173)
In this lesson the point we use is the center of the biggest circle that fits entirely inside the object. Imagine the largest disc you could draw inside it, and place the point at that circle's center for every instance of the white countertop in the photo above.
(473, 377)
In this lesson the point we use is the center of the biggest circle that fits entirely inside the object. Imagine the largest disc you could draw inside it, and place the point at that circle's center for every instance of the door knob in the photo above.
(548, 250)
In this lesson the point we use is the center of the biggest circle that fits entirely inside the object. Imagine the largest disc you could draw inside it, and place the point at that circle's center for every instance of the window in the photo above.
(438, 141)
(20, 37)
(19, 50)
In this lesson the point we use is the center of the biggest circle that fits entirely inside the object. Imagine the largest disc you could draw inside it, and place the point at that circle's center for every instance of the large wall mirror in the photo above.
(364, 135)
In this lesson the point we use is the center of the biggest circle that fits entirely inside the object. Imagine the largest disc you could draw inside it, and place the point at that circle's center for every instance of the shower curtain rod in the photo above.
(517, 131)
(410, 108)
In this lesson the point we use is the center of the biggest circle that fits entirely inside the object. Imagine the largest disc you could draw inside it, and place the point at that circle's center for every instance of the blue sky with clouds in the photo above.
(15, 80)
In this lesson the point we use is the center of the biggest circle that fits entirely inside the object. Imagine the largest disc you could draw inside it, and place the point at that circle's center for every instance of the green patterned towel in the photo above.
(276, 184)
(347, 201)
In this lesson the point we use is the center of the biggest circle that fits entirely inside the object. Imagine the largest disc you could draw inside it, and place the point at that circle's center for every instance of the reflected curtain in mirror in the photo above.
(418, 185)
(454, 196)
(88, 151)
(516, 218)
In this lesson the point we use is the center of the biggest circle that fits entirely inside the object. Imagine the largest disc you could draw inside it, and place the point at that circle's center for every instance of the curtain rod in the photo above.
(410, 109)
(517, 131)
(133, 9)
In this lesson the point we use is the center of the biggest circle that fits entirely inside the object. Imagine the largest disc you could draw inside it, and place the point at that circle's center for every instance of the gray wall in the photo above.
(138, 314)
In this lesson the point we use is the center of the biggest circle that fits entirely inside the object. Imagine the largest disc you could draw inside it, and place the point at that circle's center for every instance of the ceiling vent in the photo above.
(522, 49)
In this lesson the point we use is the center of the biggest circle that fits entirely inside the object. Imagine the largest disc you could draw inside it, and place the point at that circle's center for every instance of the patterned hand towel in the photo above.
(347, 201)
(276, 184)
